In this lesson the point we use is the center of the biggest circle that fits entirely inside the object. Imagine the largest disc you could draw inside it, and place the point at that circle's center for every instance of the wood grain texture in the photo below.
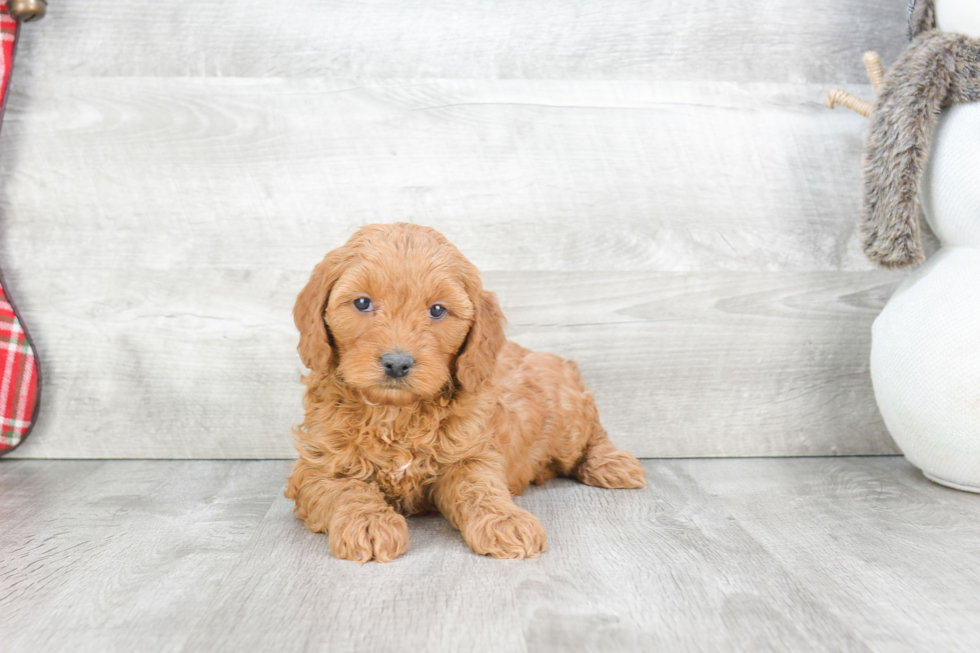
(110, 555)
(874, 573)
(655, 188)
(845, 554)
(774, 40)
(187, 364)
(163, 173)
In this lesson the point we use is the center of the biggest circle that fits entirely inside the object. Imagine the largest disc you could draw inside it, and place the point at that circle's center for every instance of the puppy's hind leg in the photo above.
(603, 465)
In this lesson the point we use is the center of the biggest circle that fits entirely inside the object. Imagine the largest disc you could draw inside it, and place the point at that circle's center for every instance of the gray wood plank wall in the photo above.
(653, 187)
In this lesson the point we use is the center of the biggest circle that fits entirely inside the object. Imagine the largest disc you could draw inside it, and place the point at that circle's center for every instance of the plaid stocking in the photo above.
(19, 375)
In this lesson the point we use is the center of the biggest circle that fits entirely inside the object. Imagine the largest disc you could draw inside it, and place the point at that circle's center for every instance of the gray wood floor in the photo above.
(835, 554)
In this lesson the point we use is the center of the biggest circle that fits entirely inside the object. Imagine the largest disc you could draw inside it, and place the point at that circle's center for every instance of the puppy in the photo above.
(416, 401)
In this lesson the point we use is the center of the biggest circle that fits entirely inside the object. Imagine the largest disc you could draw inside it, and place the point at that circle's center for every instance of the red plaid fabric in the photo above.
(8, 32)
(18, 367)
(18, 385)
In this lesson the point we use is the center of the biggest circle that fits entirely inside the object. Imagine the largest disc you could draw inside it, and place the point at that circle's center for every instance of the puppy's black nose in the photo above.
(397, 364)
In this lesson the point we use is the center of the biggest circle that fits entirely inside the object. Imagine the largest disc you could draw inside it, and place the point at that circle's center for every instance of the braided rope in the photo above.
(876, 72)
(839, 96)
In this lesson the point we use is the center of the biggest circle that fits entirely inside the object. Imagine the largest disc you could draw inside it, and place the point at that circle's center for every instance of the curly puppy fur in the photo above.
(938, 69)
(475, 420)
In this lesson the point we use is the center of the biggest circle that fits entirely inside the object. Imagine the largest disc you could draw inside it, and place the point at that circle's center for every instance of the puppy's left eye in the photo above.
(437, 310)
(363, 304)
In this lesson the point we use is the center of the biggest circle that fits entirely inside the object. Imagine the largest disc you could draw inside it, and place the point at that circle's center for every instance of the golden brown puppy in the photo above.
(416, 401)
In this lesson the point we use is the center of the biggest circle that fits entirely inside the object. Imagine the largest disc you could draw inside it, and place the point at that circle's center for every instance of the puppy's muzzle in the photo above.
(397, 364)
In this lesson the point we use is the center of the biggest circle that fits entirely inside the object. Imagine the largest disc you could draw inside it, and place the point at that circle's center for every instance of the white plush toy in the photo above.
(924, 144)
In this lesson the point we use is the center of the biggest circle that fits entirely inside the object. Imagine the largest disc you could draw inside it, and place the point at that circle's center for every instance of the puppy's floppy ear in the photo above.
(314, 342)
(476, 363)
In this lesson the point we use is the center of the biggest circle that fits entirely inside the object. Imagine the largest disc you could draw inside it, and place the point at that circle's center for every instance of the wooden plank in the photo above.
(720, 364)
(201, 363)
(130, 556)
(892, 556)
(853, 554)
(30, 490)
(161, 211)
(661, 569)
(158, 231)
(777, 40)
(261, 174)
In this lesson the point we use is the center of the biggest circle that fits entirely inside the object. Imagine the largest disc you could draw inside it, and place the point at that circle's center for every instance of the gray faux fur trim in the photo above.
(937, 70)
(921, 17)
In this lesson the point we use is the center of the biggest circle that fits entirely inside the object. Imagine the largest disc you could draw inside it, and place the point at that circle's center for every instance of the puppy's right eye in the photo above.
(363, 304)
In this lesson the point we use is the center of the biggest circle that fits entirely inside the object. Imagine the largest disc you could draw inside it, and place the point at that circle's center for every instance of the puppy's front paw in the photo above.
(512, 534)
(362, 537)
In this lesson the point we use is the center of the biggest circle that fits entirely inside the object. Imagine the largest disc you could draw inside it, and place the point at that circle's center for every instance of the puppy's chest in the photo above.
(404, 452)
(407, 480)
(405, 472)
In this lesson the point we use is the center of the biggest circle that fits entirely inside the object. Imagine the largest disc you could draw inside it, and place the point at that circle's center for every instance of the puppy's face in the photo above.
(399, 314)
(398, 319)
